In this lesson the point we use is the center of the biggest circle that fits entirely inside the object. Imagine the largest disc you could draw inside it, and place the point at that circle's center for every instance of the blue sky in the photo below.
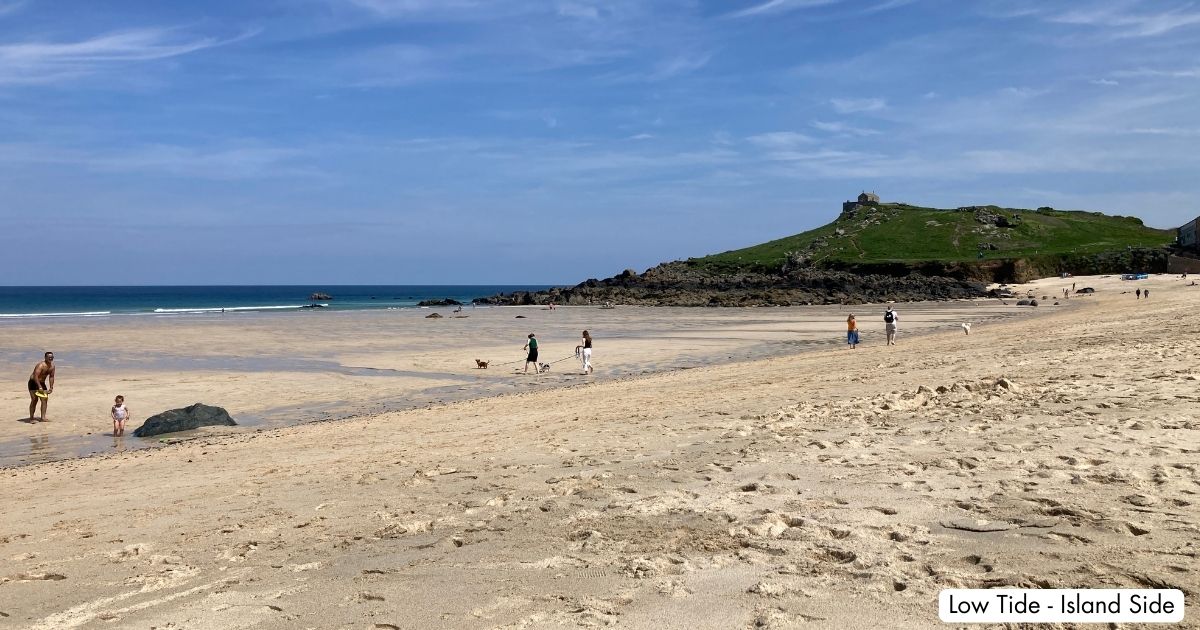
(470, 141)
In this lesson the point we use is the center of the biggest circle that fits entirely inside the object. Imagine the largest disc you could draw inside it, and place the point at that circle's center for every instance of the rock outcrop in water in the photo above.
(193, 417)
(678, 284)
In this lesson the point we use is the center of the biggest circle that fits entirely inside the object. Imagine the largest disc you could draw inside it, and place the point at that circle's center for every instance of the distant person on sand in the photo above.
(584, 350)
(531, 346)
(851, 331)
(890, 319)
(119, 413)
(41, 385)
(1139, 294)
(1146, 293)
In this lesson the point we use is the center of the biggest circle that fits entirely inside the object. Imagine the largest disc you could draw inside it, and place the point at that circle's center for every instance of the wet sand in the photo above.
(280, 369)
(822, 489)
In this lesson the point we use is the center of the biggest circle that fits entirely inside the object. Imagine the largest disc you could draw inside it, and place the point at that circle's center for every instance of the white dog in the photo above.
(966, 328)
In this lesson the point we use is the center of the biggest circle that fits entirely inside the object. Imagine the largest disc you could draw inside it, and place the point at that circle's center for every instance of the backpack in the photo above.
(889, 317)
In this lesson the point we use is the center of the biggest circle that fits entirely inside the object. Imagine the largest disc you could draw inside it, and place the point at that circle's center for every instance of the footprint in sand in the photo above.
(129, 552)
(34, 577)
(239, 552)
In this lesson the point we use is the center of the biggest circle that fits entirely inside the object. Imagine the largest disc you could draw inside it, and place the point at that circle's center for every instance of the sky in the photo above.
(551, 141)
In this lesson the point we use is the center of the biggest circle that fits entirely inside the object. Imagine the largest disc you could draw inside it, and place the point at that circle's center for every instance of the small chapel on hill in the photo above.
(864, 199)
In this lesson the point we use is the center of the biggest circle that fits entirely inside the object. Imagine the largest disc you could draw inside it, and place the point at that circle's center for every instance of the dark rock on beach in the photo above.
(193, 417)
(445, 302)
(433, 316)
(678, 284)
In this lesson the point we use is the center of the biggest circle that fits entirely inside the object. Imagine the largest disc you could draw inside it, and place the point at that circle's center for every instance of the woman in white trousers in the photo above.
(584, 350)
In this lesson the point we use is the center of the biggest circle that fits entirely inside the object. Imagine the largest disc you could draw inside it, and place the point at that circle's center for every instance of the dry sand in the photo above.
(832, 488)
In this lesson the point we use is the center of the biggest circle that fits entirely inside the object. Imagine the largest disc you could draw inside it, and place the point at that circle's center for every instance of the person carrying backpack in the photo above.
(890, 318)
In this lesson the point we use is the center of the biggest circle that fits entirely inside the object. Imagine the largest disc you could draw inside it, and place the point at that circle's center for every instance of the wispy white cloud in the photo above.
(234, 161)
(843, 129)
(856, 105)
(1022, 92)
(10, 6)
(35, 62)
(780, 139)
(888, 5)
(407, 8)
(621, 40)
(1106, 82)
(393, 65)
(1178, 132)
(1009, 9)
(780, 6)
(1181, 73)
(578, 10)
(678, 65)
(1124, 23)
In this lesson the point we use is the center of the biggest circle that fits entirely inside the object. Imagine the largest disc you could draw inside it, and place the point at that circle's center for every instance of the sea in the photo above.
(18, 303)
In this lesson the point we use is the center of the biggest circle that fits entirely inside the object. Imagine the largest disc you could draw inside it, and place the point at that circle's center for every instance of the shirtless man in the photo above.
(42, 380)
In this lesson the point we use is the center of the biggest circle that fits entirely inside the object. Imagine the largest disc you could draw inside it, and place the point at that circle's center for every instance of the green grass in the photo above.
(900, 233)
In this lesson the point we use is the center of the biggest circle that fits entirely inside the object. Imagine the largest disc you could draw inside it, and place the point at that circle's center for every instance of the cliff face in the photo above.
(678, 284)
(685, 284)
(1010, 270)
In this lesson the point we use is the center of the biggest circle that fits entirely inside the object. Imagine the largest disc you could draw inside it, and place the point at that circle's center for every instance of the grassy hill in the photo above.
(899, 233)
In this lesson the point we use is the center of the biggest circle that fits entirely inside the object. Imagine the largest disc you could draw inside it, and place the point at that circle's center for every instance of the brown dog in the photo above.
(481, 364)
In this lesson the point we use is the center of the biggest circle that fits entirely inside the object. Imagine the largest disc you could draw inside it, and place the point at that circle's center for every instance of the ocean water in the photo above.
(77, 302)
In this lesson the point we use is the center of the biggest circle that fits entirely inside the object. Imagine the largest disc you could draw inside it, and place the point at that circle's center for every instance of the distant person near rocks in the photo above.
(41, 385)
(532, 357)
(852, 331)
(890, 319)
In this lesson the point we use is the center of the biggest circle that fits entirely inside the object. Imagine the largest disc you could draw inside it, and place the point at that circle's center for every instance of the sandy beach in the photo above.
(829, 488)
(273, 370)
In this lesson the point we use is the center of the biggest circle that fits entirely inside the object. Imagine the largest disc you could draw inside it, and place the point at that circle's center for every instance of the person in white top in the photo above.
(119, 413)
(890, 319)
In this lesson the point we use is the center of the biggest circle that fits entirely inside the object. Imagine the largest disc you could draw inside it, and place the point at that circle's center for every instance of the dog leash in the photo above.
(569, 356)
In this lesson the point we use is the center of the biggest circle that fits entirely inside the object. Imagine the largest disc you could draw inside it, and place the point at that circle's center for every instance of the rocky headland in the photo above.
(681, 284)
(875, 251)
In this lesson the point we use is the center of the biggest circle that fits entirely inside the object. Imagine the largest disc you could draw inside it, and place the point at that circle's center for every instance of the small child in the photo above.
(120, 413)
